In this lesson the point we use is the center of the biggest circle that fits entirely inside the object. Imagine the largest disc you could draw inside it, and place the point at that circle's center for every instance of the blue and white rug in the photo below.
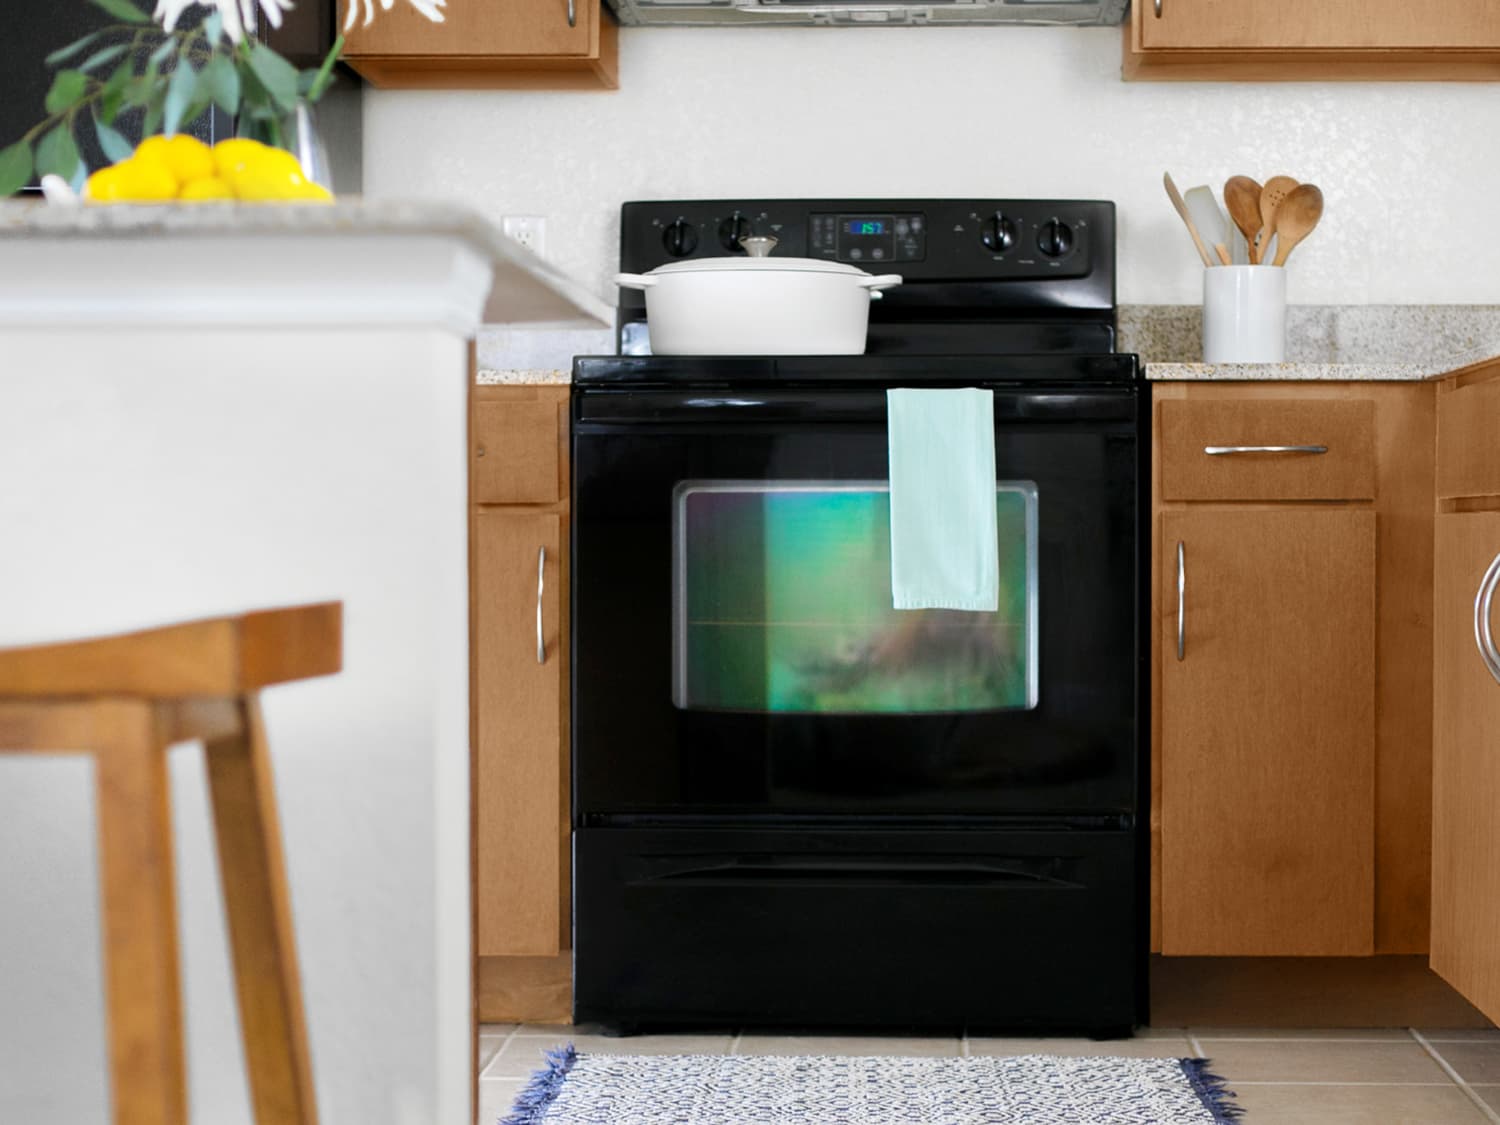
(576, 1089)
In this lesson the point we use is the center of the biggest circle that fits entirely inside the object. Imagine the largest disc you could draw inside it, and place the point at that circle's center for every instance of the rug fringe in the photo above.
(542, 1088)
(1213, 1089)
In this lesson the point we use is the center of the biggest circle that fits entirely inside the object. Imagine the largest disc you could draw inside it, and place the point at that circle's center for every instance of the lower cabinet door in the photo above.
(520, 831)
(1267, 627)
(1466, 758)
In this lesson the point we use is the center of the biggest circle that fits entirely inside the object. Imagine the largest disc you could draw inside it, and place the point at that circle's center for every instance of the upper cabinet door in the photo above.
(501, 28)
(1320, 24)
(1267, 731)
(1466, 760)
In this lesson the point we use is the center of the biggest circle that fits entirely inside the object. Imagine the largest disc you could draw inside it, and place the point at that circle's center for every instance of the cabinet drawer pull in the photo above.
(541, 565)
(1220, 450)
(572, 13)
(1484, 638)
(1181, 600)
(1158, 9)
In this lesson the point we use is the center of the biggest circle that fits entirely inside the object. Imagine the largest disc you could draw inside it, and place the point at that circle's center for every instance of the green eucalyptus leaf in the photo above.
(112, 95)
(15, 168)
(57, 153)
(180, 91)
(154, 109)
(163, 51)
(112, 142)
(64, 53)
(278, 76)
(221, 82)
(67, 87)
(213, 27)
(102, 56)
(122, 10)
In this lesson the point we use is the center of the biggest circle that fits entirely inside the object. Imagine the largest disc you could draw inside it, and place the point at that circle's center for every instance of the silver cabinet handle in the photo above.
(1158, 9)
(1181, 600)
(541, 568)
(572, 13)
(1220, 450)
(1484, 600)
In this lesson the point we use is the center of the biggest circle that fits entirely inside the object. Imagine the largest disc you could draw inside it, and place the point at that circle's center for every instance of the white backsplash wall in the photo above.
(1408, 169)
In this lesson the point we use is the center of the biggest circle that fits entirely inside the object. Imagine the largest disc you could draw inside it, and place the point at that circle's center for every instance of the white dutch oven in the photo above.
(758, 305)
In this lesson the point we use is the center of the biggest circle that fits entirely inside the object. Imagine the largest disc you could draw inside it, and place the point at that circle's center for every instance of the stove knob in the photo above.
(1054, 239)
(679, 238)
(998, 233)
(732, 229)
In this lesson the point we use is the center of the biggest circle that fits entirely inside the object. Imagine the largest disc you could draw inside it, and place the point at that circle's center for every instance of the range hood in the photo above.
(865, 13)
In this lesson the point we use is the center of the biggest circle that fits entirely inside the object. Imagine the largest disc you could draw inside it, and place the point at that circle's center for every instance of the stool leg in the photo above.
(260, 924)
(140, 917)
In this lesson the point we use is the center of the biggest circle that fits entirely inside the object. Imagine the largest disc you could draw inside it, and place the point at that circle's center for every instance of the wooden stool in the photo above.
(125, 699)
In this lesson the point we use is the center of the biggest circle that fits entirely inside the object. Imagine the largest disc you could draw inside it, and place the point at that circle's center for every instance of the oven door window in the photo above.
(782, 604)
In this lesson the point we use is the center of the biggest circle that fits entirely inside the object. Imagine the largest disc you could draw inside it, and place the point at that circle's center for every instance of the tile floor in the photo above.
(1311, 1077)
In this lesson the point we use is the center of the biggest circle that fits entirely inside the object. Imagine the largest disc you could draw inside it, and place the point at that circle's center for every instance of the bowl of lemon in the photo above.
(182, 169)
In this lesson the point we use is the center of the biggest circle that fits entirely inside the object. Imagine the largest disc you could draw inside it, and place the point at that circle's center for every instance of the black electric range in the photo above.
(792, 805)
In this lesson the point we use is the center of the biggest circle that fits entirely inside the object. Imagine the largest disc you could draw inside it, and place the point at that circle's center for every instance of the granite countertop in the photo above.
(1320, 372)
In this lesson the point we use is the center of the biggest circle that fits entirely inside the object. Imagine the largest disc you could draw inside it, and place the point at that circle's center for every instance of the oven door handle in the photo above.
(721, 405)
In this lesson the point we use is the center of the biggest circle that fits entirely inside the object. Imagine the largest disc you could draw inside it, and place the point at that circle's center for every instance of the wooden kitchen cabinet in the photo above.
(1291, 744)
(500, 44)
(1291, 39)
(520, 627)
(1466, 702)
(1268, 730)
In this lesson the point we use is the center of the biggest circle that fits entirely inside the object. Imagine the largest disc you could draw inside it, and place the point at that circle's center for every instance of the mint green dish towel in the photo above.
(944, 553)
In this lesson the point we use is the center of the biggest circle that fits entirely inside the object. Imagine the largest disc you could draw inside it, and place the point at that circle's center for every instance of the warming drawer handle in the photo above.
(1181, 600)
(1221, 450)
(541, 570)
(1484, 600)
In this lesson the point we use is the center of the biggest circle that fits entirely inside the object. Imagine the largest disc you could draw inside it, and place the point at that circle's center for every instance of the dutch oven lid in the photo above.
(758, 247)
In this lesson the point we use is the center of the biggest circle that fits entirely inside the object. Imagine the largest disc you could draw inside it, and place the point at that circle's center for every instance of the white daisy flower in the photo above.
(432, 9)
(236, 14)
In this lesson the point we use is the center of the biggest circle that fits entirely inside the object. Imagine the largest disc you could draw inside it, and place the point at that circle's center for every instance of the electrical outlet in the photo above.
(529, 230)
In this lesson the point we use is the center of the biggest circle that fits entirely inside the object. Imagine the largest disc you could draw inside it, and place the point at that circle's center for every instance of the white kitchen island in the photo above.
(206, 410)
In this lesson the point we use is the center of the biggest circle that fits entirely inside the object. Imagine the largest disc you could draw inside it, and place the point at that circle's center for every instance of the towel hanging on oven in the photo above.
(944, 553)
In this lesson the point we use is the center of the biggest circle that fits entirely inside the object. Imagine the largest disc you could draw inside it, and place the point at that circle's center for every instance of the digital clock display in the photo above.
(865, 226)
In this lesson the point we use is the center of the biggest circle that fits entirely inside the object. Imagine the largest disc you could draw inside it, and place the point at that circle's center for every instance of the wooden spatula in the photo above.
(1177, 202)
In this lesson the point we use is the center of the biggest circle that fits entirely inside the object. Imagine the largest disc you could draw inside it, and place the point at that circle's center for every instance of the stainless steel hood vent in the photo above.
(866, 13)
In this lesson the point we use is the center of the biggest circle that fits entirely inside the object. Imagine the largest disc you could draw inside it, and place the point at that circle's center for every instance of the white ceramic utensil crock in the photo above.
(1244, 314)
(758, 305)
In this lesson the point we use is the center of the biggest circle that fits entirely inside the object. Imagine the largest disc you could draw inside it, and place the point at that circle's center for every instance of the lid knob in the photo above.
(759, 245)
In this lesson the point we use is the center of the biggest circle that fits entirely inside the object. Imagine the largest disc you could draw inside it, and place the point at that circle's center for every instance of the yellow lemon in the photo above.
(131, 181)
(268, 184)
(187, 158)
(240, 153)
(205, 189)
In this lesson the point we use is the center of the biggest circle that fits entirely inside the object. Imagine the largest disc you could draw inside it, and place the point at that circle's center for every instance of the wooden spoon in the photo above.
(1181, 205)
(1242, 198)
(1295, 218)
(1277, 188)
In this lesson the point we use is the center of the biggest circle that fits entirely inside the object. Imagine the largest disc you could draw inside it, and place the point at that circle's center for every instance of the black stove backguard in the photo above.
(980, 277)
(794, 806)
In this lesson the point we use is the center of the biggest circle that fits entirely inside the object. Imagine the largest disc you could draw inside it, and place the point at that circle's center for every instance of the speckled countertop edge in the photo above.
(491, 377)
(1321, 372)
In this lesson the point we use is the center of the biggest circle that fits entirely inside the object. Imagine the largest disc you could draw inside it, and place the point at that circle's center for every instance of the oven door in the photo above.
(735, 651)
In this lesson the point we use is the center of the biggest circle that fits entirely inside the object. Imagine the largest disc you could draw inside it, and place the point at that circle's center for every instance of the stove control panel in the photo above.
(947, 240)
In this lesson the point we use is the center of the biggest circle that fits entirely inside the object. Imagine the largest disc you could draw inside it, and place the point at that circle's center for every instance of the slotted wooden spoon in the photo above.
(1295, 218)
(1277, 188)
(1242, 198)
